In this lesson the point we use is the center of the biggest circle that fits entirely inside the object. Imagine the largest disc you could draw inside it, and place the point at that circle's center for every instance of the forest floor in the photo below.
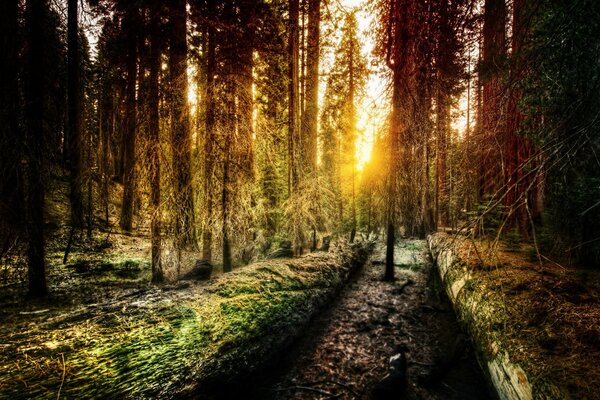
(345, 352)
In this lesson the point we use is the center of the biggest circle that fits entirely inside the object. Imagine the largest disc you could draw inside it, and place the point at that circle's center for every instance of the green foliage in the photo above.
(561, 102)
(488, 215)
(512, 239)
(309, 208)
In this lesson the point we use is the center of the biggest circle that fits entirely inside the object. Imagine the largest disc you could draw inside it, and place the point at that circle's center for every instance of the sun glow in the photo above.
(364, 147)
(374, 104)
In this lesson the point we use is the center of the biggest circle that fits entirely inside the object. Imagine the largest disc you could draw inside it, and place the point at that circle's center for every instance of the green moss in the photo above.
(164, 351)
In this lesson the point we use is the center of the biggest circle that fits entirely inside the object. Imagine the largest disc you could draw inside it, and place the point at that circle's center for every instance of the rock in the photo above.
(394, 384)
(201, 271)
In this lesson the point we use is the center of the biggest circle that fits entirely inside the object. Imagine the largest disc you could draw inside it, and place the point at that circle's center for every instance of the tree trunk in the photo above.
(209, 157)
(494, 51)
(244, 89)
(389, 252)
(224, 206)
(11, 184)
(443, 128)
(519, 150)
(154, 146)
(181, 139)
(309, 116)
(129, 133)
(74, 112)
(293, 53)
(34, 147)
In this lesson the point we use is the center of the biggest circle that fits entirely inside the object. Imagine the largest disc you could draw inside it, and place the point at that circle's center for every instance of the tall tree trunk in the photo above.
(225, 228)
(129, 133)
(154, 145)
(309, 116)
(181, 139)
(74, 110)
(443, 61)
(105, 120)
(244, 88)
(519, 150)
(209, 157)
(351, 134)
(34, 146)
(443, 128)
(293, 106)
(11, 184)
(494, 52)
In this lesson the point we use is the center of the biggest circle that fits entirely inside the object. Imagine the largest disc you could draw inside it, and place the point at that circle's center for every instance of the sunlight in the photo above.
(192, 88)
(373, 106)
(364, 146)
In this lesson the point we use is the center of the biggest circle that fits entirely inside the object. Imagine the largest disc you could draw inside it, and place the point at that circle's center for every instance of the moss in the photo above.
(160, 350)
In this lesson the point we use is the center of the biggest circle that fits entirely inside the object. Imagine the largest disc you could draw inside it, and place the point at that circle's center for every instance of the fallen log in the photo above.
(174, 342)
(514, 359)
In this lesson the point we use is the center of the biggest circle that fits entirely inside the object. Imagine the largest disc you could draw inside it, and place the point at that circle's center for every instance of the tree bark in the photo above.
(129, 134)
(209, 157)
(244, 88)
(293, 106)
(34, 147)
(181, 139)
(494, 52)
(154, 145)
(309, 116)
(74, 112)
(11, 184)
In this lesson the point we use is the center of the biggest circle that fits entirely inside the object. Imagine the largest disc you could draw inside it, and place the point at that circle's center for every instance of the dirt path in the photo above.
(346, 350)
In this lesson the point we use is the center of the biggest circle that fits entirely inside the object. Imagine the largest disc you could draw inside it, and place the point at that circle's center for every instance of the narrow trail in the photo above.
(345, 351)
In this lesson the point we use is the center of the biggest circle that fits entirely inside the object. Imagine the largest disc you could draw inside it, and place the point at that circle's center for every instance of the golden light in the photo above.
(192, 87)
(364, 142)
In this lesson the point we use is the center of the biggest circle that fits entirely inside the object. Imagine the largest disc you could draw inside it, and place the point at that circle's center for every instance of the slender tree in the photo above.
(154, 139)
(74, 112)
(311, 108)
(210, 126)
(293, 96)
(129, 133)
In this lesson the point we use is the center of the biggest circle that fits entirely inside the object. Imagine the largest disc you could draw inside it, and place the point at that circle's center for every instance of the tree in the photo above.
(181, 139)
(293, 97)
(311, 107)
(154, 139)
(210, 126)
(34, 146)
(74, 111)
(560, 106)
(494, 54)
(11, 186)
(129, 134)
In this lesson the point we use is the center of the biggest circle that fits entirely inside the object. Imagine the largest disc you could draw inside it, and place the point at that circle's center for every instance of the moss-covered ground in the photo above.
(170, 341)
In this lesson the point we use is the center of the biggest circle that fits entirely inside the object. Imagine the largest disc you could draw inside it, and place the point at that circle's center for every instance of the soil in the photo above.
(345, 352)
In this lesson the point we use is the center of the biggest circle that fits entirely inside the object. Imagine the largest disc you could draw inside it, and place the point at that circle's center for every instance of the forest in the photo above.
(201, 198)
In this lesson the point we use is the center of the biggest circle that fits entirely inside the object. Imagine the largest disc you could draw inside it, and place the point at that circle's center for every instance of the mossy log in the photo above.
(172, 342)
(483, 313)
